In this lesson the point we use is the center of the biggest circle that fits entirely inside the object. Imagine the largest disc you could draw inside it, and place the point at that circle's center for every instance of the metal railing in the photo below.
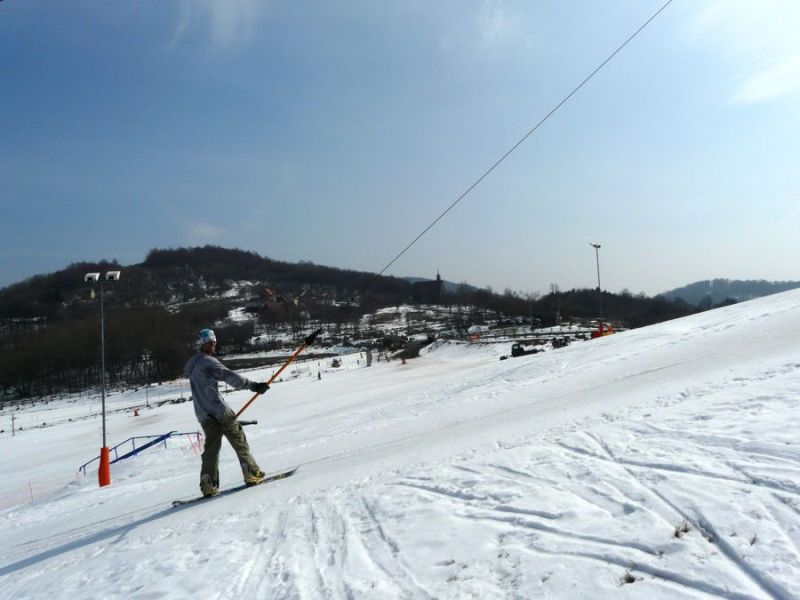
(154, 441)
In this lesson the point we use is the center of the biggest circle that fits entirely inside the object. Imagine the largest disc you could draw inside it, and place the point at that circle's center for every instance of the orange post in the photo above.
(104, 473)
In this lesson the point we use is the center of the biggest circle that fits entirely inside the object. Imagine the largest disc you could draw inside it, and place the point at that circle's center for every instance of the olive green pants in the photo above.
(228, 426)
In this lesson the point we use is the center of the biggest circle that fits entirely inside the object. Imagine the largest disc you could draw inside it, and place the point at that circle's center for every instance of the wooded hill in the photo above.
(49, 324)
(176, 277)
(713, 291)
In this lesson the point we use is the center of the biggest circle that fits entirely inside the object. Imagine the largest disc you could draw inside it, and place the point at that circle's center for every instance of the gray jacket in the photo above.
(204, 373)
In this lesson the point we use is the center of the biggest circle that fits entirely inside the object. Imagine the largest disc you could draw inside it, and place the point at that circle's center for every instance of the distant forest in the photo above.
(49, 324)
(713, 291)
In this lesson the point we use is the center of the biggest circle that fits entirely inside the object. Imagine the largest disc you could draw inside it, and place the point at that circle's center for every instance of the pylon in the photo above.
(104, 473)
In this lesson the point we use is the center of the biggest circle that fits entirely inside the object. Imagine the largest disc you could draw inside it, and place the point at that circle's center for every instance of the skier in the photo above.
(216, 417)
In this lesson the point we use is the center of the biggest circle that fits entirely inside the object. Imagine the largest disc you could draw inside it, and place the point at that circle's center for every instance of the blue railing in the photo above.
(154, 441)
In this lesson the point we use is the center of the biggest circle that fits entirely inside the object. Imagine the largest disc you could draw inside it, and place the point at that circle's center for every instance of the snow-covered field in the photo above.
(658, 463)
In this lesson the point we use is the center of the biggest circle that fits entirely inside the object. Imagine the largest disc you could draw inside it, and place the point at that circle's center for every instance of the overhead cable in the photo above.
(522, 139)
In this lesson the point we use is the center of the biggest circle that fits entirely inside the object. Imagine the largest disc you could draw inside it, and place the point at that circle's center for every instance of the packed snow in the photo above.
(662, 462)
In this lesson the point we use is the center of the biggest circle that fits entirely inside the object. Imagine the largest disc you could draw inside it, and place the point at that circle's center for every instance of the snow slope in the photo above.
(658, 463)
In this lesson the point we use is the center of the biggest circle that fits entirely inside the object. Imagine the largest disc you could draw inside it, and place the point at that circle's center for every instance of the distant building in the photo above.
(428, 292)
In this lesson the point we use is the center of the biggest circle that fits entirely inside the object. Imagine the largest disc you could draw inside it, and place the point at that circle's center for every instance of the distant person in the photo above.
(216, 417)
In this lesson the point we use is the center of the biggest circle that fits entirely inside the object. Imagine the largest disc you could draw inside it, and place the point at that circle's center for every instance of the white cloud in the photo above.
(781, 79)
(760, 40)
(493, 31)
(203, 233)
(496, 27)
(229, 22)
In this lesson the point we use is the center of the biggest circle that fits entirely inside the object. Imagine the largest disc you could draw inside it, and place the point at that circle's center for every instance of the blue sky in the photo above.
(336, 132)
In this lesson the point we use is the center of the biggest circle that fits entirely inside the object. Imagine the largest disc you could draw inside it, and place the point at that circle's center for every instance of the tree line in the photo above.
(151, 343)
(715, 291)
(624, 308)
(50, 326)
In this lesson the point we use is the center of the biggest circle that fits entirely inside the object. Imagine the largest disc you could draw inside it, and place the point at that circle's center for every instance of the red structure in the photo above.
(104, 473)
(603, 330)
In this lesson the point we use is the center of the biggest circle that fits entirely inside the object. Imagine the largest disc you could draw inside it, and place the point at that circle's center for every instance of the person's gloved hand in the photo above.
(259, 388)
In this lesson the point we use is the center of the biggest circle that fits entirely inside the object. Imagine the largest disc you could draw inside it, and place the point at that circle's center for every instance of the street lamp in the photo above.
(146, 361)
(596, 247)
(104, 473)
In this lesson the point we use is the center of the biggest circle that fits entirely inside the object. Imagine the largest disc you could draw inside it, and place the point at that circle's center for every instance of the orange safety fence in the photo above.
(33, 490)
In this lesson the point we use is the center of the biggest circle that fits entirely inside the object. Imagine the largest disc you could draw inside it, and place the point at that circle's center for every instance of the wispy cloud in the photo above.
(761, 39)
(203, 233)
(228, 22)
(491, 32)
(497, 28)
(775, 81)
(792, 215)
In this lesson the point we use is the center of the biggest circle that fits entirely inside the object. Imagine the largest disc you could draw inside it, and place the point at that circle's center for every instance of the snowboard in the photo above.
(267, 479)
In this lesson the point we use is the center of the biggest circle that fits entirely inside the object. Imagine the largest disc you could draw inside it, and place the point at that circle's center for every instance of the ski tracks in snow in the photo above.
(678, 508)
(675, 509)
(326, 546)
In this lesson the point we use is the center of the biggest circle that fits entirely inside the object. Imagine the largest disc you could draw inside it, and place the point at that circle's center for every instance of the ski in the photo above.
(268, 479)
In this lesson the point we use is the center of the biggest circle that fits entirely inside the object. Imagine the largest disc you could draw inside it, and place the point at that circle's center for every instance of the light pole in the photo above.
(596, 247)
(104, 473)
(146, 360)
